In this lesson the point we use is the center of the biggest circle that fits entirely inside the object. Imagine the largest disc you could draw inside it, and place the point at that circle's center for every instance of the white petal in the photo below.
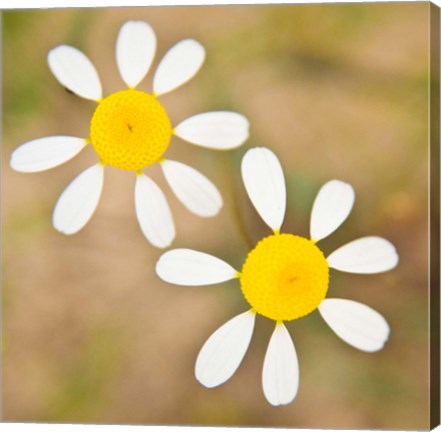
(179, 64)
(331, 208)
(280, 377)
(153, 213)
(78, 202)
(262, 175)
(192, 268)
(135, 49)
(364, 255)
(44, 153)
(193, 189)
(355, 323)
(221, 130)
(75, 72)
(224, 350)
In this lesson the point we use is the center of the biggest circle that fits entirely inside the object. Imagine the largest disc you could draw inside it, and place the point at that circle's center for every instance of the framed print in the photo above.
(222, 215)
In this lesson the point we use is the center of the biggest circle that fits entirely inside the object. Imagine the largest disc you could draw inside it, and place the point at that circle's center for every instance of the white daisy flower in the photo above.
(131, 130)
(284, 277)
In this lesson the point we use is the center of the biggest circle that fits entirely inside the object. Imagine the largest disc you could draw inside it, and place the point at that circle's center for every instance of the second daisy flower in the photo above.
(283, 278)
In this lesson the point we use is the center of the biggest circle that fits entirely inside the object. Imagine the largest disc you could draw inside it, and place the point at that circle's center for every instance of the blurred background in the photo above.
(92, 335)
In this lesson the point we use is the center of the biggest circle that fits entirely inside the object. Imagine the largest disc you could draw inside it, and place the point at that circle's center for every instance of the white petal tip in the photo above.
(224, 350)
(200, 378)
(366, 255)
(280, 376)
(355, 323)
(178, 66)
(135, 50)
(279, 403)
(66, 231)
(78, 201)
(153, 213)
(264, 182)
(193, 189)
(75, 71)
(164, 244)
(219, 130)
(45, 153)
(193, 268)
(331, 208)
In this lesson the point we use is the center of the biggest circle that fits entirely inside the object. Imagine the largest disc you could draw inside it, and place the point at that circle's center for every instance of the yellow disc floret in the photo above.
(285, 277)
(130, 129)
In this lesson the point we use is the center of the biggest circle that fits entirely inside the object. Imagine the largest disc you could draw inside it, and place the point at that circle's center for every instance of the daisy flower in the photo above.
(285, 277)
(131, 130)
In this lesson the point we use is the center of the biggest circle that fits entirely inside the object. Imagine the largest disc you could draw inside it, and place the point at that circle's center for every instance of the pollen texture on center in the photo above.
(130, 130)
(285, 277)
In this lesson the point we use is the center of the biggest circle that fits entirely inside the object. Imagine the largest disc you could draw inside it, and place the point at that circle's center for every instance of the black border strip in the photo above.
(434, 216)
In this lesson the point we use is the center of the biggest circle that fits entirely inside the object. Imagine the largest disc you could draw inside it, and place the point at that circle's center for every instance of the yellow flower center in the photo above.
(285, 277)
(130, 129)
